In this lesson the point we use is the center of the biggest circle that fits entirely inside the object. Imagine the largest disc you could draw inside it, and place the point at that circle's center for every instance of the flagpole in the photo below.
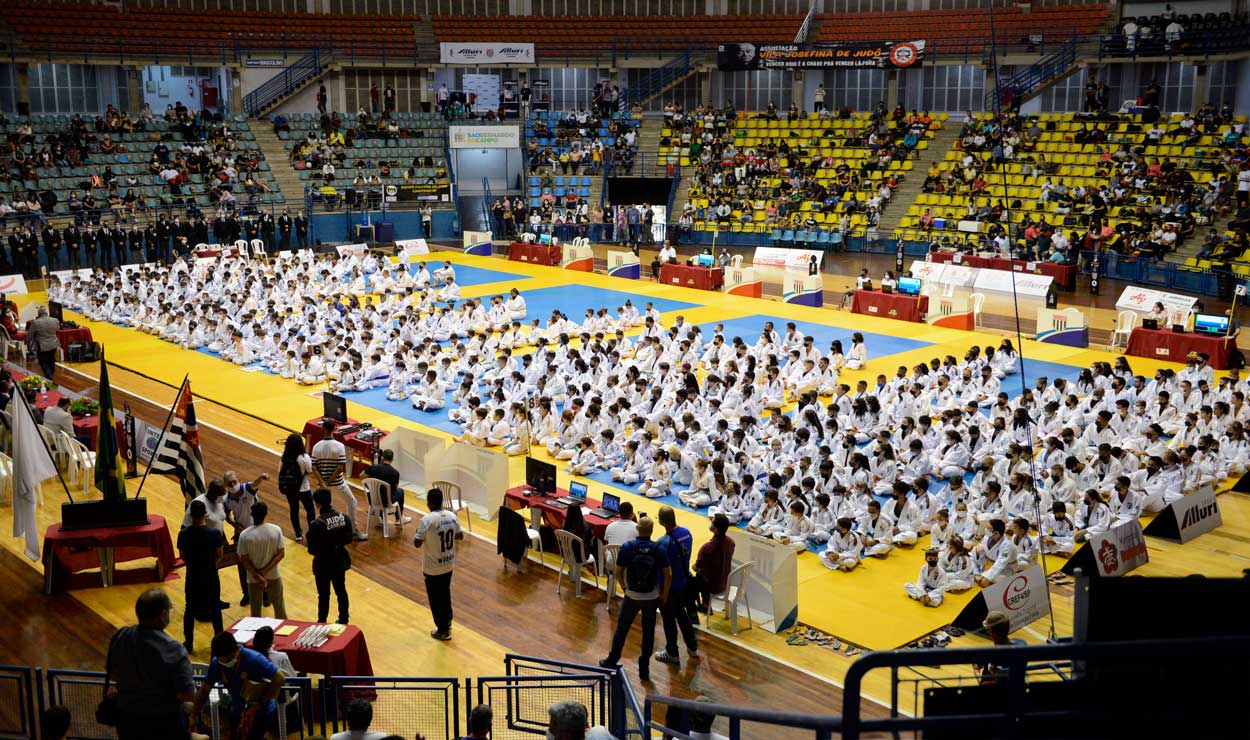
(44, 442)
(164, 428)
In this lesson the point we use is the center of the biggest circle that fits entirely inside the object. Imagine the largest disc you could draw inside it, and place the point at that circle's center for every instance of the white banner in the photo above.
(1196, 513)
(411, 246)
(1136, 298)
(1022, 597)
(1120, 549)
(484, 89)
(1005, 281)
(485, 54)
(15, 284)
(357, 250)
(788, 258)
(64, 275)
(485, 137)
(944, 273)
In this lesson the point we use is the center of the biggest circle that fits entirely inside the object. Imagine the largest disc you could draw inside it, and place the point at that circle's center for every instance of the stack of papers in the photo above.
(251, 624)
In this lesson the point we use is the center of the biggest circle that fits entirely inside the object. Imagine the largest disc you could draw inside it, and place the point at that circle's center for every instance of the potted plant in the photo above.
(84, 406)
(35, 383)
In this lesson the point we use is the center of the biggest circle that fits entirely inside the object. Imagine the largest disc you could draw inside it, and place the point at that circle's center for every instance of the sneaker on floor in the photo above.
(299, 538)
(665, 657)
(440, 635)
(362, 536)
(405, 520)
(693, 652)
(245, 601)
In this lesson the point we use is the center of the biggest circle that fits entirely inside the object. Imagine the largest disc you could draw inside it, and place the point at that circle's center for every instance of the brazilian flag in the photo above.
(109, 475)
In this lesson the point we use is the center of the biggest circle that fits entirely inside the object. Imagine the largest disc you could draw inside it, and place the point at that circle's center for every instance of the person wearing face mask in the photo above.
(151, 673)
(239, 499)
(253, 683)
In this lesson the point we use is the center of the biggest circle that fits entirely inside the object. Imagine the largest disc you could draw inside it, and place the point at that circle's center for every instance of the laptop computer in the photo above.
(1150, 323)
(577, 496)
(611, 506)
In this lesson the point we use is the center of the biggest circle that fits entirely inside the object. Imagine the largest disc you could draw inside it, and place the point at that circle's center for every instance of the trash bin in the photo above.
(384, 231)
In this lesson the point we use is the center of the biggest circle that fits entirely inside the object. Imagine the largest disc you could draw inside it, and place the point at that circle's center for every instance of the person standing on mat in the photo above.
(200, 545)
(442, 528)
(642, 566)
(677, 544)
(328, 537)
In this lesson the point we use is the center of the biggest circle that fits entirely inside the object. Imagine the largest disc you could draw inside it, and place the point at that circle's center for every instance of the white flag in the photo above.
(31, 466)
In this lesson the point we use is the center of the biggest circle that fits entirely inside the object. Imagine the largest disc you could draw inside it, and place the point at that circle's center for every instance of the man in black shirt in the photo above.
(328, 537)
(386, 472)
(151, 672)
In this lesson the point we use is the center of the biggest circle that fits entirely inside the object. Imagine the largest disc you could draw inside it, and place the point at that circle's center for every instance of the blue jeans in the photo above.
(630, 608)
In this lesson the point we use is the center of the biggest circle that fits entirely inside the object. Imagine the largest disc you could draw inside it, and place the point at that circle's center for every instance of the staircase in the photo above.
(426, 44)
(285, 177)
(299, 75)
(909, 189)
(661, 80)
(1034, 78)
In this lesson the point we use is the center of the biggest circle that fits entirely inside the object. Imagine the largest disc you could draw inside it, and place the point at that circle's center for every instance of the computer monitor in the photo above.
(540, 476)
(705, 260)
(1209, 323)
(56, 311)
(334, 407)
(577, 491)
(909, 286)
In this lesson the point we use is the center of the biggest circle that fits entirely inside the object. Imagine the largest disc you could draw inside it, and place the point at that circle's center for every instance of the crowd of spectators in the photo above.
(1137, 202)
(779, 175)
(580, 142)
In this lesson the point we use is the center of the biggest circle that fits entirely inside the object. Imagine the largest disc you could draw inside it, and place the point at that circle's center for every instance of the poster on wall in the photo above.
(483, 90)
(409, 191)
(485, 137)
(881, 55)
(485, 53)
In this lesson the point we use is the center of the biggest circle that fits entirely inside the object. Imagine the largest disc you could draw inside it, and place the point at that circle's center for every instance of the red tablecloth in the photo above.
(1064, 275)
(344, 655)
(704, 278)
(553, 516)
(537, 254)
(84, 426)
(1165, 344)
(360, 450)
(78, 550)
(890, 305)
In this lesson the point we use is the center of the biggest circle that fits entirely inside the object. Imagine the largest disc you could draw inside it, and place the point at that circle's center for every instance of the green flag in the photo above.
(109, 476)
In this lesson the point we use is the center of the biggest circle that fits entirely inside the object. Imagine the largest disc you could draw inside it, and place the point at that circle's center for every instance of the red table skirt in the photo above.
(363, 449)
(75, 551)
(1064, 275)
(536, 254)
(85, 426)
(553, 516)
(704, 278)
(1165, 344)
(890, 305)
(344, 655)
(65, 336)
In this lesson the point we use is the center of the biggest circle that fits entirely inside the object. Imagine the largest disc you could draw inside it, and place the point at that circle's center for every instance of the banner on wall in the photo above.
(485, 137)
(485, 53)
(793, 259)
(882, 55)
(485, 90)
(1137, 298)
(440, 191)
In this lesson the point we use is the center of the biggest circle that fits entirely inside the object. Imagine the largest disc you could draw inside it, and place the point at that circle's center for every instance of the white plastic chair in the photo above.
(978, 300)
(6, 478)
(1124, 323)
(8, 345)
(60, 456)
(258, 247)
(201, 247)
(374, 489)
(607, 556)
(240, 245)
(569, 564)
(81, 461)
(735, 592)
(453, 501)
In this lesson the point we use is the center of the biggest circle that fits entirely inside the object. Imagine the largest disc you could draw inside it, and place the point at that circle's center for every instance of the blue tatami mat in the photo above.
(467, 275)
(575, 299)
(749, 328)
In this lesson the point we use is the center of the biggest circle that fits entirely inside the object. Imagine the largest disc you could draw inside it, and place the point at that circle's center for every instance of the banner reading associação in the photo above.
(884, 55)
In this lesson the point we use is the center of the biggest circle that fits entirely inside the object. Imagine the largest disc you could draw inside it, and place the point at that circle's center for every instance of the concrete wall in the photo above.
(176, 88)
(305, 101)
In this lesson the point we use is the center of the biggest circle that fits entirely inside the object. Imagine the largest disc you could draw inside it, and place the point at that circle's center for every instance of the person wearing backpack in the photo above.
(293, 483)
(643, 569)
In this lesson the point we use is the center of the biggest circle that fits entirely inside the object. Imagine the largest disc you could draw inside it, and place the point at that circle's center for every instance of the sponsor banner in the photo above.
(883, 55)
(250, 62)
(1196, 513)
(1120, 549)
(787, 258)
(412, 246)
(12, 284)
(485, 53)
(485, 137)
(63, 275)
(1007, 281)
(356, 250)
(484, 90)
(410, 191)
(1022, 597)
(146, 438)
(944, 273)
(1135, 298)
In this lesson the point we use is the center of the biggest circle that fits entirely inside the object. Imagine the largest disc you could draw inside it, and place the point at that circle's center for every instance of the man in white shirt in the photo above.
(442, 528)
(329, 458)
(261, 548)
(621, 530)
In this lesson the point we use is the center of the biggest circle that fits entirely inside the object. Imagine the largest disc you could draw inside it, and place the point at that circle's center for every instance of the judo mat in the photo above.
(866, 607)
